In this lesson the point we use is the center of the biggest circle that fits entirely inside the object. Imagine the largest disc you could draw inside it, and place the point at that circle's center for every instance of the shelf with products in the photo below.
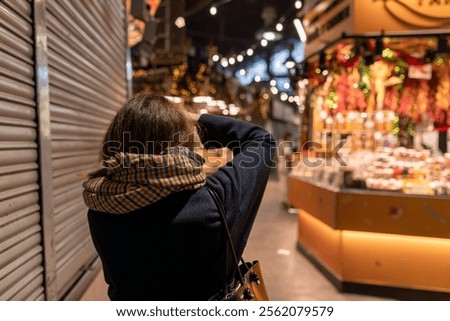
(399, 169)
(360, 130)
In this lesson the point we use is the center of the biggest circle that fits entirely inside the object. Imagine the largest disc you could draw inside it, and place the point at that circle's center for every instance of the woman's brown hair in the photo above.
(146, 124)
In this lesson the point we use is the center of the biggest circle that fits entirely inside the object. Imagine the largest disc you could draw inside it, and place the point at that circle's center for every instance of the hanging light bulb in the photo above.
(279, 26)
(224, 62)
(215, 58)
(249, 52)
(264, 42)
(180, 22)
(240, 58)
(298, 5)
(213, 10)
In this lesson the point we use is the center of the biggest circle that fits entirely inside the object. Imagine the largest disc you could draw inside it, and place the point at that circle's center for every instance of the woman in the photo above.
(155, 226)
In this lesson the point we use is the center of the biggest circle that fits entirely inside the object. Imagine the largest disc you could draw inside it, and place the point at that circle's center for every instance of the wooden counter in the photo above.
(387, 240)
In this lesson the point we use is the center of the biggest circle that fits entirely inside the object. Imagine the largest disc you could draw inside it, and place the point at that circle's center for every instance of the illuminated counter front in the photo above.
(383, 243)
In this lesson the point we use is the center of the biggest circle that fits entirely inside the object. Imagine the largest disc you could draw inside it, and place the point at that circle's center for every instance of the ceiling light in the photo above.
(180, 22)
(300, 30)
(249, 51)
(269, 34)
(213, 11)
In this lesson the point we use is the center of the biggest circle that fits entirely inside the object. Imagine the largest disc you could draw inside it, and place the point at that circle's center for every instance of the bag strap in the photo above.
(220, 206)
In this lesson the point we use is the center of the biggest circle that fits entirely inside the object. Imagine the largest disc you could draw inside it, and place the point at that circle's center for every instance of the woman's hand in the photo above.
(192, 116)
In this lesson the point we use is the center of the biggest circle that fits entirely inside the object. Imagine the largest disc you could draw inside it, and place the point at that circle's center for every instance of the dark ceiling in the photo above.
(234, 26)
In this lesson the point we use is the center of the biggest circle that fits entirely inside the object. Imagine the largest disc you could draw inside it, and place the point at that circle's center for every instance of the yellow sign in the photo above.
(401, 15)
(327, 21)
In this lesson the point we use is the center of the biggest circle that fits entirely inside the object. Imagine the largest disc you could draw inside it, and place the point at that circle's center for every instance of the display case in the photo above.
(391, 241)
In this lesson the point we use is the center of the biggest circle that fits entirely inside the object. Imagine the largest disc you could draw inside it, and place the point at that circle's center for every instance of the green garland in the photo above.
(400, 66)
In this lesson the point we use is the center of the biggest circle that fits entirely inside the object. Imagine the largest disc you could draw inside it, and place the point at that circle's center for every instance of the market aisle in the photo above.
(289, 276)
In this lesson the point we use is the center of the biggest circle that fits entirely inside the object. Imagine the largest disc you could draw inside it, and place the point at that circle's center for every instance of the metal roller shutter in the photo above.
(87, 76)
(21, 258)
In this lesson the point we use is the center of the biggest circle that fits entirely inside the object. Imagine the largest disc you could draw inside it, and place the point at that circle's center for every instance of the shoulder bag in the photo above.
(247, 283)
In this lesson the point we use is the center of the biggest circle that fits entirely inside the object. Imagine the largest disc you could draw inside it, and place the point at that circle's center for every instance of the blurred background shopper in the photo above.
(155, 226)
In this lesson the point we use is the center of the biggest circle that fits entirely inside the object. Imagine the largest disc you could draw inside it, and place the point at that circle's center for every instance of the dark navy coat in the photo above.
(174, 249)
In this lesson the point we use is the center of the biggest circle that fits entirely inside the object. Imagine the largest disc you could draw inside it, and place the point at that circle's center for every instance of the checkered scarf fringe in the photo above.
(134, 181)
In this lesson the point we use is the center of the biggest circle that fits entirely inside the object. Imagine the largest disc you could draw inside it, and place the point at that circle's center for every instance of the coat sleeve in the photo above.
(241, 182)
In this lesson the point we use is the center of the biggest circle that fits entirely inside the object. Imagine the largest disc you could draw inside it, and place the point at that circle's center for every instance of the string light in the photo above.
(224, 62)
(279, 26)
(264, 42)
(180, 22)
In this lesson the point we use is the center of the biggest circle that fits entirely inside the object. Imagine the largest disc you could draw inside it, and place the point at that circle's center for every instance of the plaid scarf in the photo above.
(134, 181)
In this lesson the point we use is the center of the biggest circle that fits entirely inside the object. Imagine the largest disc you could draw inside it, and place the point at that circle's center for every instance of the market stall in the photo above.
(372, 184)
(366, 240)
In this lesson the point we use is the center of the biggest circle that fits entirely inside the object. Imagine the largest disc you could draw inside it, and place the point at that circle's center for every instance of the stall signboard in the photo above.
(401, 15)
(328, 20)
(326, 23)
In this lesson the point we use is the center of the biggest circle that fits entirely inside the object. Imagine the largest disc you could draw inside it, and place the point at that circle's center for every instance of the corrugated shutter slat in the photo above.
(86, 58)
(21, 259)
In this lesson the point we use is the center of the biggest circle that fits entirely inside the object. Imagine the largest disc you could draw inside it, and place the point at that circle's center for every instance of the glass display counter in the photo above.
(373, 239)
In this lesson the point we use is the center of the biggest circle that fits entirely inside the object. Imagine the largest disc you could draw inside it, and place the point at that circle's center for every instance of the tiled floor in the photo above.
(288, 275)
